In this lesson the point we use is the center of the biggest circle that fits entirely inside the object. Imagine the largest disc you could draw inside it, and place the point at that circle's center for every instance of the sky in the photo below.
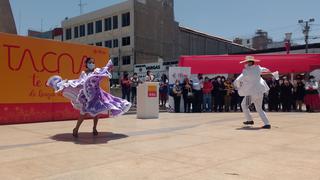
(224, 18)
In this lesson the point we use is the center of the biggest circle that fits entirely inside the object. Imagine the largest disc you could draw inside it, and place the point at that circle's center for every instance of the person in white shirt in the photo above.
(252, 87)
(197, 85)
(149, 77)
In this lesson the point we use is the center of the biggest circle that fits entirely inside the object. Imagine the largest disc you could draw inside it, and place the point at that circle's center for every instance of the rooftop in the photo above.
(189, 30)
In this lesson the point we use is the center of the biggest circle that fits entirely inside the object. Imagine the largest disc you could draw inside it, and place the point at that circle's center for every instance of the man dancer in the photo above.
(252, 87)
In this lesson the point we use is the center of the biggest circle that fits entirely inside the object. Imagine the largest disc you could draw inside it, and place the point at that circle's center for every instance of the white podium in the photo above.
(148, 100)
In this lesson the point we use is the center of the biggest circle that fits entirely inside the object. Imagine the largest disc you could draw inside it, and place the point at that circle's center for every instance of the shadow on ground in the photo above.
(249, 128)
(88, 138)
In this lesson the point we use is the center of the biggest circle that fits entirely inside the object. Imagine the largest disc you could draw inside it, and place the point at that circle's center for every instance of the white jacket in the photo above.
(250, 83)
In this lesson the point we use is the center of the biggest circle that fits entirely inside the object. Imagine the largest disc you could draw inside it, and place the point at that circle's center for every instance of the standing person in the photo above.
(294, 95)
(219, 94)
(286, 94)
(177, 92)
(300, 92)
(229, 90)
(280, 98)
(149, 77)
(163, 90)
(125, 86)
(86, 95)
(223, 91)
(207, 101)
(187, 95)
(273, 96)
(135, 81)
(235, 99)
(312, 98)
(197, 85)
(252, 87)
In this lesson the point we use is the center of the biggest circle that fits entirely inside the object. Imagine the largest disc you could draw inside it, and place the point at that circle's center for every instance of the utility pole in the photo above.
(81, 5)
(306, 29)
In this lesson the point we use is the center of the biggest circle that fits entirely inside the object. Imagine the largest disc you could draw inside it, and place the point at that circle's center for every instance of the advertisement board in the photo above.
(26, 64)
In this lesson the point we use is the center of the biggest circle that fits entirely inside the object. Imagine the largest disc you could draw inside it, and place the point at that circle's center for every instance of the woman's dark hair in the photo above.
(164, 77)
(185, 80)
(135, 74)
(87, 60)
(148, 72)
(125, 74)
(311, 77)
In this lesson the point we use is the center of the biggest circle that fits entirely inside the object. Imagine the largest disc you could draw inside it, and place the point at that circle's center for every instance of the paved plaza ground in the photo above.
(175, 146)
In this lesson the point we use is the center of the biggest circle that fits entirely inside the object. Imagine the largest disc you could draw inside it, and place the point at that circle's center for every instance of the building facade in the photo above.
(259, 41)
(7, 23)
(247, 42)
(55, 34)
(143, 31)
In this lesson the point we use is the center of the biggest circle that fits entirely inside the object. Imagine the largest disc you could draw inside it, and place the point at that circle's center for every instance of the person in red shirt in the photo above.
(125, 86)
(207, 99)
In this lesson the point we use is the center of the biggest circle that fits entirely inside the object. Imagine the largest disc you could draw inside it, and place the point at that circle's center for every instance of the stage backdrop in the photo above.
(26, 64)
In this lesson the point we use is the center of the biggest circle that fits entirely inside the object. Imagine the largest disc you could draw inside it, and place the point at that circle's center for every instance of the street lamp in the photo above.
(306, 29)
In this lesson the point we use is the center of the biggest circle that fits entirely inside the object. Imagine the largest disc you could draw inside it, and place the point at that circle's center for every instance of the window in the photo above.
(82, 30)
(107, 24)
(115, 22)
(126, 41)
(98, 26)
(126, 60)
(126, 19)
(68, 33)
(108, 44)
(115, 61)
(99, 44)
(76, 32)
(90, 28)
(115, 43)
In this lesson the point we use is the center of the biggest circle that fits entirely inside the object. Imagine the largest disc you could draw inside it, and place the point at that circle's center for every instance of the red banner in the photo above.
(229, 64)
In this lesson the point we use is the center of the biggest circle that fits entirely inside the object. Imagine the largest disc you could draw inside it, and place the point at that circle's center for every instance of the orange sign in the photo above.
(152, 91)
(27, 63)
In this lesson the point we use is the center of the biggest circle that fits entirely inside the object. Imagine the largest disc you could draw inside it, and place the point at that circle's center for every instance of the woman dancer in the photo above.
(87, 96)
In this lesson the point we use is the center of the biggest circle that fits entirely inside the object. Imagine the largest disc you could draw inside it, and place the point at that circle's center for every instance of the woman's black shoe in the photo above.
(248, 123)
(95, 132)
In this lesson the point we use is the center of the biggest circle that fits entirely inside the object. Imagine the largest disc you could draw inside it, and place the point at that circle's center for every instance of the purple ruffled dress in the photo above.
(86, 95)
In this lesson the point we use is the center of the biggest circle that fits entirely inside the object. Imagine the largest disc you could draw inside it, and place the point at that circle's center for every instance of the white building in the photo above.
(142, 32)
(111, 27)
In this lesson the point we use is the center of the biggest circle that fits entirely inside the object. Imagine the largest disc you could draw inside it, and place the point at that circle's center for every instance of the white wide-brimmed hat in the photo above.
(249, 59)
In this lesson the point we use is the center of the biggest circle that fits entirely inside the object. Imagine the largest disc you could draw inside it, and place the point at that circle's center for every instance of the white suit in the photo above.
(252, 87)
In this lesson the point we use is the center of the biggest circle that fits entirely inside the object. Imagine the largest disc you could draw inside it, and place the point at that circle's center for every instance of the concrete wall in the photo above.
(155, 31)
(7, 23)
